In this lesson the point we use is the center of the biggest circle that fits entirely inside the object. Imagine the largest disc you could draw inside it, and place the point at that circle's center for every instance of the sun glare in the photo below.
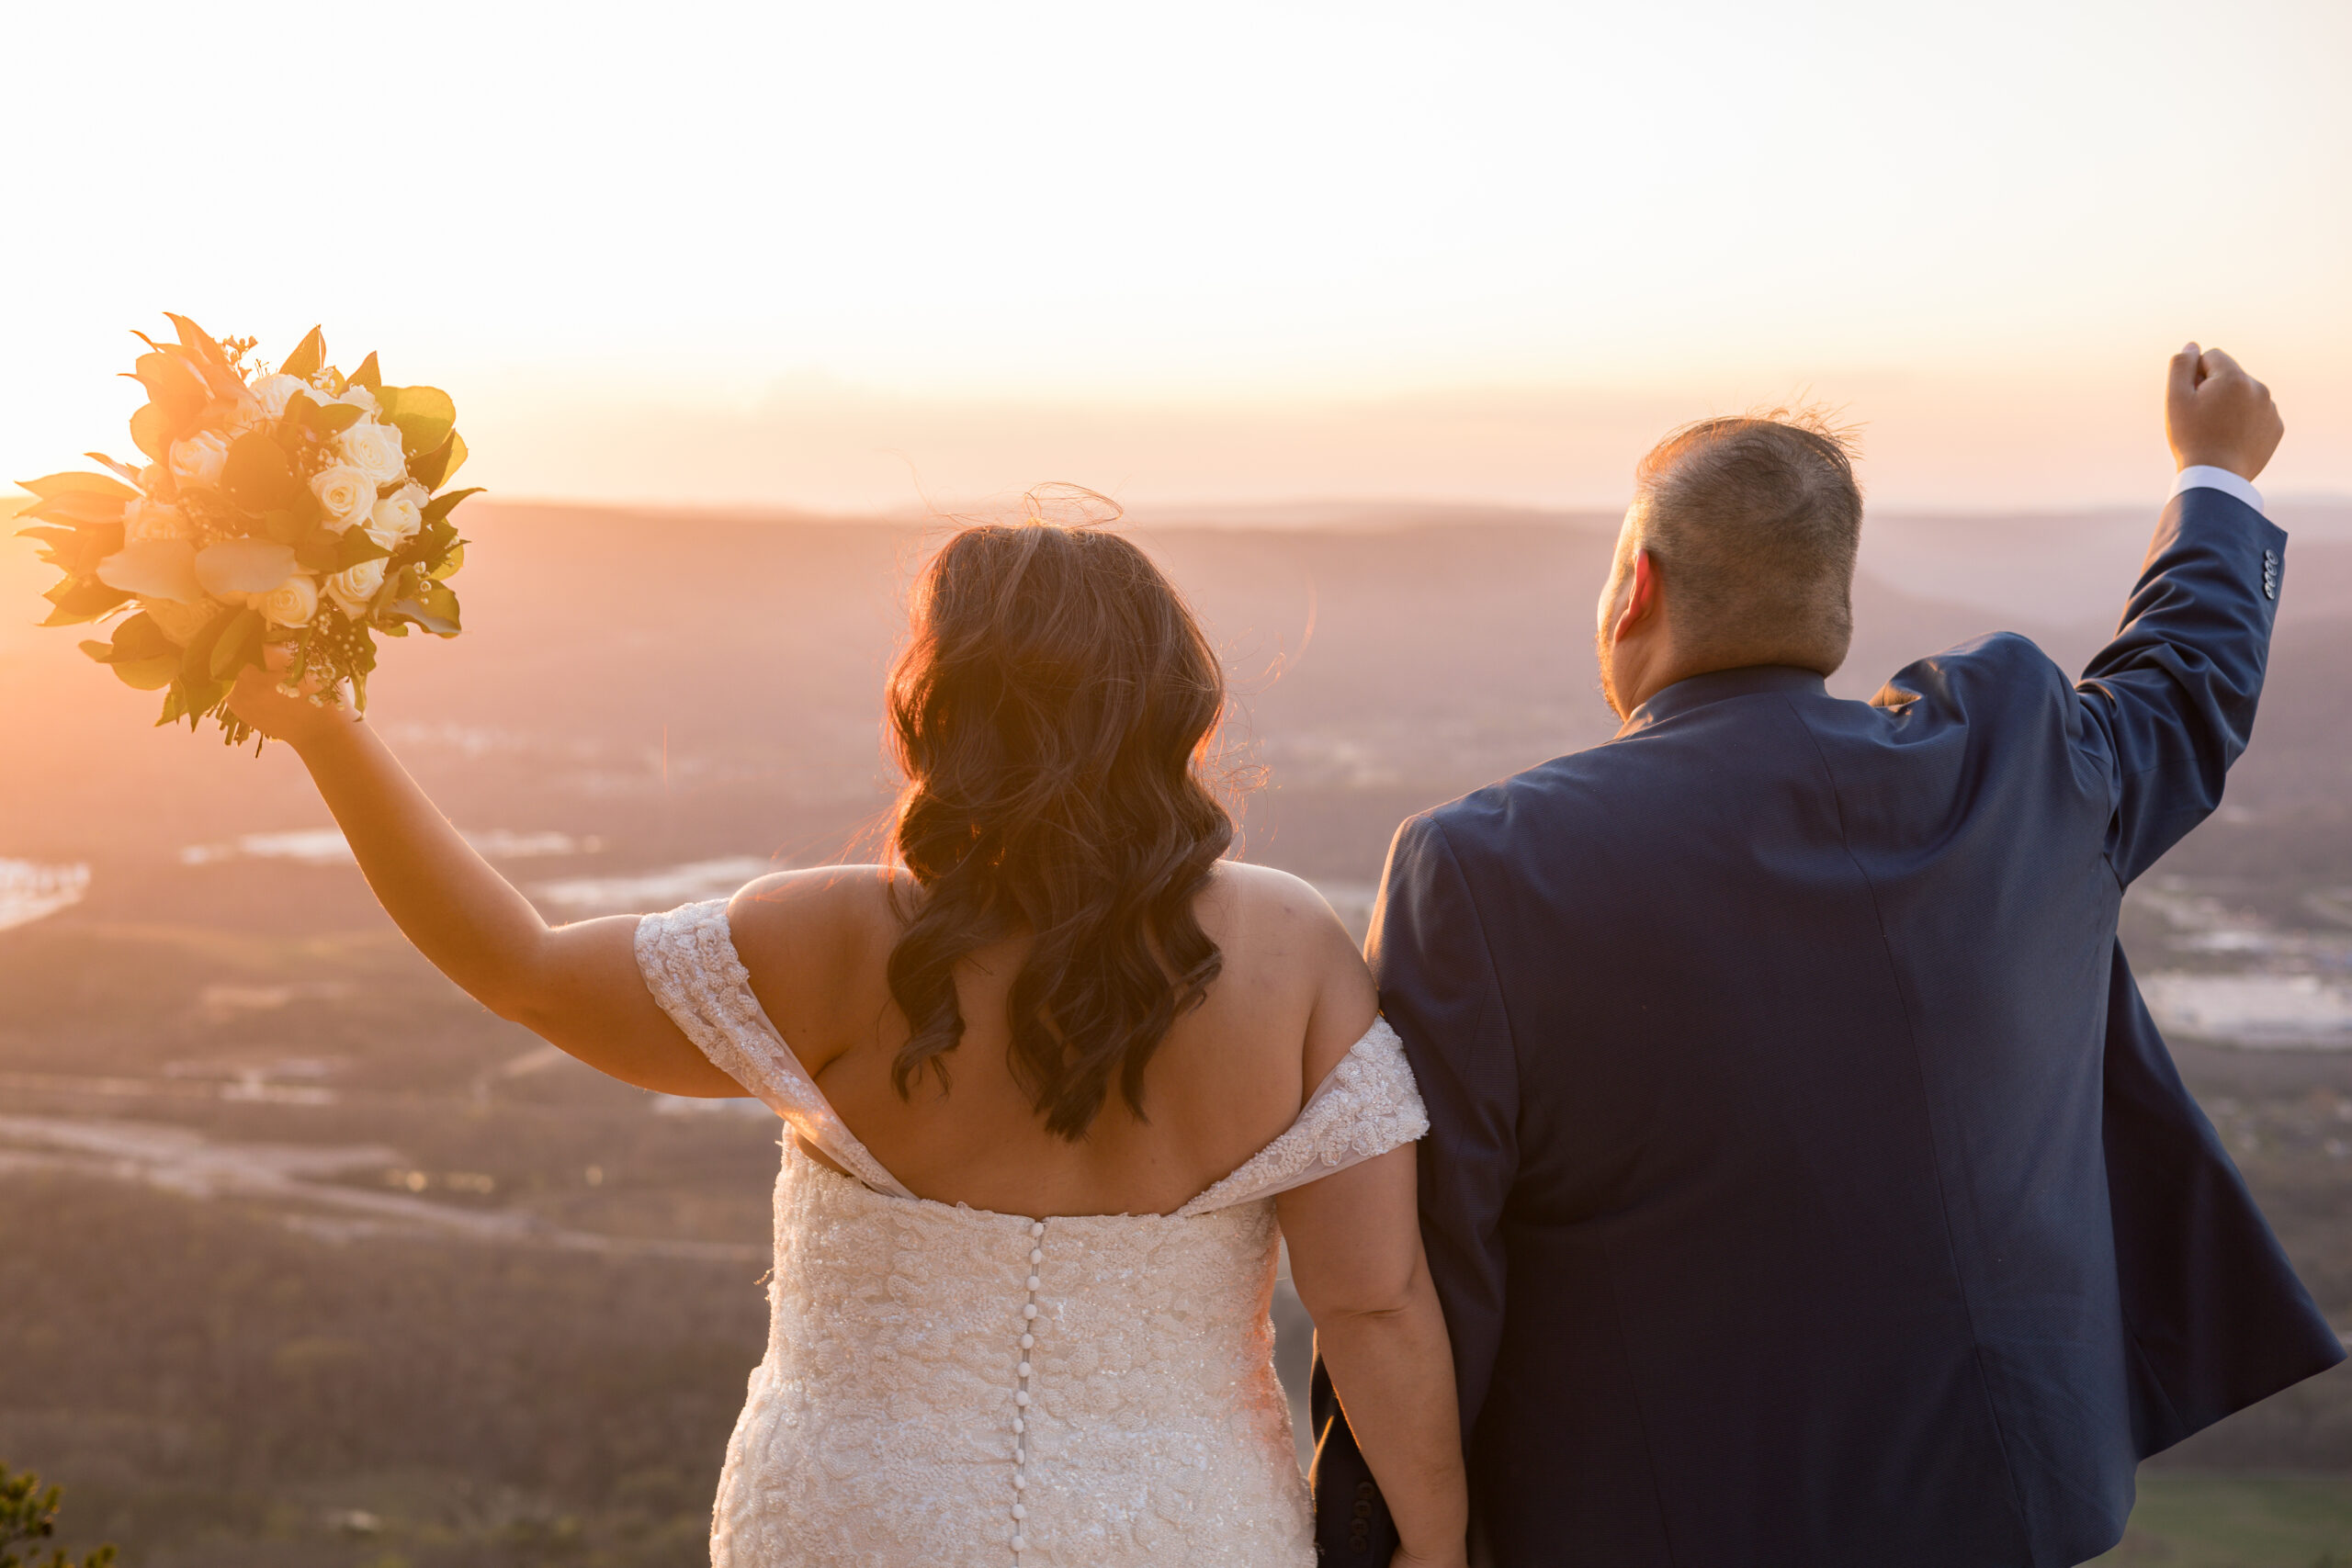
(840, 255)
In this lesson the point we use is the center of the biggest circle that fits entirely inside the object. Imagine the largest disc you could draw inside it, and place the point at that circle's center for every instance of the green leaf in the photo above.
(238, 645)
(199, 696)
(205, 353)
(323, 419)
(286, 527)
(432, 469)
(147, 430)
(432, 544)
(260, 477)
(435, 609)
(77, 551)
(79, 599)
(150, 675)
(307, 355)
(175, 390)
(440, 506)
(137, 639)
(142, 638)
(317, 551)
(77, 507)
(124, 469)
(425, 415)
(51, 486)
(195, 339)
(356, 548)
(195, 659)
(368, 375)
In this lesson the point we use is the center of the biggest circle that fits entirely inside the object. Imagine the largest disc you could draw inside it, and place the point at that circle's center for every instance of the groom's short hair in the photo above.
(1754, 521)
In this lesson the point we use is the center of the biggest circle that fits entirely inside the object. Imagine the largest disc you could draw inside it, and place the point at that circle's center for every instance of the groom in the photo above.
(1806, 1185)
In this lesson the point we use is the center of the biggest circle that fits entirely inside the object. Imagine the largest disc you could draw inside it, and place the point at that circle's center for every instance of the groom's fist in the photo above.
(2218, 416)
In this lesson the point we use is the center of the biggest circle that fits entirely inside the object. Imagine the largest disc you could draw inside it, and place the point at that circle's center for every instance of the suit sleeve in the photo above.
(2169, 705)
(1439, 989)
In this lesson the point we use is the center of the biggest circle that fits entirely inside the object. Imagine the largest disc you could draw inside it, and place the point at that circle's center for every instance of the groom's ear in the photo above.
(1642, 601)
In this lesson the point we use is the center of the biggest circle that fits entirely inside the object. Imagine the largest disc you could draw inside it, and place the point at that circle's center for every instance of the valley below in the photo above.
(307, 1259)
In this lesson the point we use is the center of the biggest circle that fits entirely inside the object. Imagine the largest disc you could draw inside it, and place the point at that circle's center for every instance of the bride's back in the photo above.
(1066, 1001)
(1231, 1076)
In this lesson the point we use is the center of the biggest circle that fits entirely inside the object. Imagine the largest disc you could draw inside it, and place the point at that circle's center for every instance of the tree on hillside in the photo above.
(29, 1513)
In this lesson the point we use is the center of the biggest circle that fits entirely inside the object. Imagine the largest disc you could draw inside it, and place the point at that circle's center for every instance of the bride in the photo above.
(1055, 1083)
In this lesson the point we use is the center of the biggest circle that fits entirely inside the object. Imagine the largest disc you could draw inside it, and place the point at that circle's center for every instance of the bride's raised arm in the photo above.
(577, 986)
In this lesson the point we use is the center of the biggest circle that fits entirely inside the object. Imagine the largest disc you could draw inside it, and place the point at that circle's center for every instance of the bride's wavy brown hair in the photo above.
(1053, 712)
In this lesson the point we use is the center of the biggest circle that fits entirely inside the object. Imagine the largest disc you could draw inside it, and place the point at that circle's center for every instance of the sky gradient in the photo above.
(863, 256)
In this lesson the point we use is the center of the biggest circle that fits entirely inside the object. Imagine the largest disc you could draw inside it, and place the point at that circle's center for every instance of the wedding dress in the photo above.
(947, 1387)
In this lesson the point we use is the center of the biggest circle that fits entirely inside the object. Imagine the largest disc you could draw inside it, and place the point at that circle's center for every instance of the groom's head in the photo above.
(1738, 549)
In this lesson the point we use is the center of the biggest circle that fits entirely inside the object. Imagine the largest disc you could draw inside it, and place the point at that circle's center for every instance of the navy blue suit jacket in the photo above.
(1806, 1184)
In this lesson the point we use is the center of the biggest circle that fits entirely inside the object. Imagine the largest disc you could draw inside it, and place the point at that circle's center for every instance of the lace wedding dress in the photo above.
(945, 1386)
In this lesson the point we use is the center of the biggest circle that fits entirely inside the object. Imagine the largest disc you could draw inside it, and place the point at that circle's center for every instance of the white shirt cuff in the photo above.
(2204, 476)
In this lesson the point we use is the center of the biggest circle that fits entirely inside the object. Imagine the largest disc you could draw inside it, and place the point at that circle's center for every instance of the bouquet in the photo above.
(304, 510)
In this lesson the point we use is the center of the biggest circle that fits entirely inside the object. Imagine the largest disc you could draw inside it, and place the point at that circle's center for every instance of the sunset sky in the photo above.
(859, 255)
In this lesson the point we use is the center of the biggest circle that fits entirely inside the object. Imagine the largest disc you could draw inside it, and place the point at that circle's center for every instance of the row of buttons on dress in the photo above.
(1021, 1393)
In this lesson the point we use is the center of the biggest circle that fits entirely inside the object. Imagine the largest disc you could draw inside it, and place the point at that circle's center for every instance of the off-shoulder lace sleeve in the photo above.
(1366, 1107)
(688, 959)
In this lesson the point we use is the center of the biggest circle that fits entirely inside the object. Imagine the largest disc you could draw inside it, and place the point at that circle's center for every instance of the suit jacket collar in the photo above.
(1721, 685)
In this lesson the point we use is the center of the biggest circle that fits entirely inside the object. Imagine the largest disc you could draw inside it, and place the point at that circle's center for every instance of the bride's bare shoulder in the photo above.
(824, 915)
(1279, 936)
(1274, 901)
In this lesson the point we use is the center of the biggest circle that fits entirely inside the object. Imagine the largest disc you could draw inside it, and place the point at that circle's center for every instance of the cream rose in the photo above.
(375, 450)
(346, 494)
(359, 397)
(143, 520)
(393, 520)
(274, 391)
(200, 459)
(354, 587)
(291, 603)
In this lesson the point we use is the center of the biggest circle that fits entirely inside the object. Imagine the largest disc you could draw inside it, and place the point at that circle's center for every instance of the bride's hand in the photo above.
(260, 699)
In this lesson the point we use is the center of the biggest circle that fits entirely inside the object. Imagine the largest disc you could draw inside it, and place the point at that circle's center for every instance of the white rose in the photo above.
(393, 520)
(200, 459)
(346, 492)
(354, 587)
(273, 392)
(291, 603)
(359, 397)
(375, 450)
(143, 520)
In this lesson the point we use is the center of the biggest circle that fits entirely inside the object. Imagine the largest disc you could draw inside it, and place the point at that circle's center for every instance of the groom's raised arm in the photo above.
(1438, 990)
(2170, 702)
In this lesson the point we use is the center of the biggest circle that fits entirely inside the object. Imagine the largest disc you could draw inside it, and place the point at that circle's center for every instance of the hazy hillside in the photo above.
(305, 1259)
